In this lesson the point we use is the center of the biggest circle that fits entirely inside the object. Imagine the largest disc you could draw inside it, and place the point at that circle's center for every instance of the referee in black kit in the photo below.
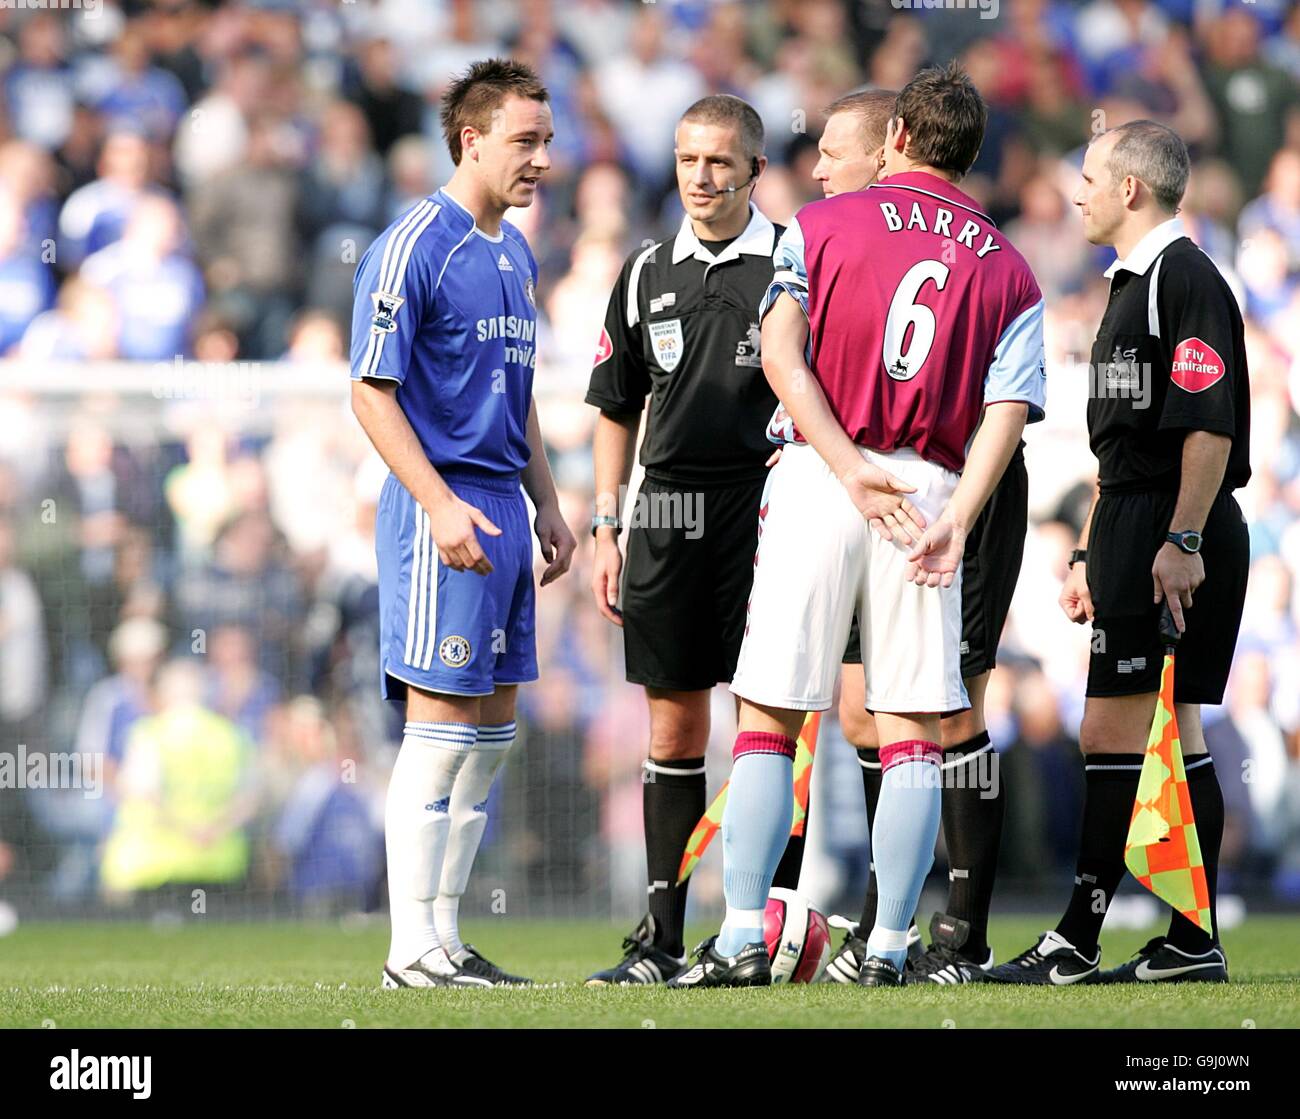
(682, 328)
(1169, 422)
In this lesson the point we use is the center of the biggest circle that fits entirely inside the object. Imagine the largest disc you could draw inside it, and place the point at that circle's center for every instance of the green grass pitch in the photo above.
(326, 976)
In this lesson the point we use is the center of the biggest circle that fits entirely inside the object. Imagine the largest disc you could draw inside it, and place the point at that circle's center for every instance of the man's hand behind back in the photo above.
(937, 556)
(878, 496)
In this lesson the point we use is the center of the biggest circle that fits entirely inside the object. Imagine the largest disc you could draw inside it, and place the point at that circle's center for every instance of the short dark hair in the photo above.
(945, 117)
(1154, 154)
(723, 108)
(872, 107)
(472, 98)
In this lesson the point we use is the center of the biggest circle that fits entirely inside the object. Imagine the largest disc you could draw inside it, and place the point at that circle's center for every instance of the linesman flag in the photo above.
(1162, 850)
(711, 822)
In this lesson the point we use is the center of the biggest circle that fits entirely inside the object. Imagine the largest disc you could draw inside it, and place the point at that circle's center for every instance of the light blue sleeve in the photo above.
(791, 273)
(1019, 369)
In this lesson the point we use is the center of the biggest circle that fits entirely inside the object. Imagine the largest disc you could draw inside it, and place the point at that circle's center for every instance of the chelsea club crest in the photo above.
(454, 651)
(383, 321)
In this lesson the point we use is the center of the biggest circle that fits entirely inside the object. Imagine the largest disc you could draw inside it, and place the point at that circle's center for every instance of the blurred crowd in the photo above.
(190, 597)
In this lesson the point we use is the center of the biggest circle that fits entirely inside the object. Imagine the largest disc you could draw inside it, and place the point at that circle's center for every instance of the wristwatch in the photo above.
(1189, 542)
(600, 520)
(1079, 555)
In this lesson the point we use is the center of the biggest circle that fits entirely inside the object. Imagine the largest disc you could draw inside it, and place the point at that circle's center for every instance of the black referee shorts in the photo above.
(990, 568)
(686, 587)
(1127, 653)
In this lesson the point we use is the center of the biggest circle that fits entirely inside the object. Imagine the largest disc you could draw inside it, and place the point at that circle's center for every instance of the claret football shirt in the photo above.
(920, 313)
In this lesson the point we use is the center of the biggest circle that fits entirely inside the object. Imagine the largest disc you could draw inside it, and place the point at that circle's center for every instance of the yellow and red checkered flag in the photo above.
(805, 750)
(711, 822)
(709, 826)
(1162, 850)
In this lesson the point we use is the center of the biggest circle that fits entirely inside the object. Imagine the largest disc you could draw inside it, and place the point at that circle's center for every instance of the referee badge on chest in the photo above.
(748, 351)
(666, 341)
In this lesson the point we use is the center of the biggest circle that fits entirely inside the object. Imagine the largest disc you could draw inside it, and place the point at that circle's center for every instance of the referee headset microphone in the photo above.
(753, 174)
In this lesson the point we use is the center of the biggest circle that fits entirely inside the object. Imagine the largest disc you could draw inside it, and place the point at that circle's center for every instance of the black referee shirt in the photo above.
(1170, 357)
(682, 328)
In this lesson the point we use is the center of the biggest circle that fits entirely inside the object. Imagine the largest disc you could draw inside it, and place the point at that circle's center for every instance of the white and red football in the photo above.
(798, 938)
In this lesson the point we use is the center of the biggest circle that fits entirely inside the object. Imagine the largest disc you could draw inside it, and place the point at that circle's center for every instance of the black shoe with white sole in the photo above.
(847, 961)
(1052, 962)
(473, 969)
(1158, 961)
(642, 963)
(944, 961)
(750, 967)
(877, 971)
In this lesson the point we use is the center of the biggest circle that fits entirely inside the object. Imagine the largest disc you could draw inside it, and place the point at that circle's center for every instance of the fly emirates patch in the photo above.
(944, 223)
(1197, 365)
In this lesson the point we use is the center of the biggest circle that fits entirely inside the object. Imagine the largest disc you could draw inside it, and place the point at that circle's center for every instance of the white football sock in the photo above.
(416, 820)
(468, 822)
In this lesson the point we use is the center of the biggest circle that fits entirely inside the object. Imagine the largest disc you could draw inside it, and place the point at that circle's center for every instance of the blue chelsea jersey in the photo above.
(449, 313)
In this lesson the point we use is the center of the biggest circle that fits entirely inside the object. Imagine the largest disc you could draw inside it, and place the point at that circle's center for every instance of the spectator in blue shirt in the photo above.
(237, 687)
(130, 90)
(26, 286)
(38, 88)
(157, 290)
(1278, 208)
(81, 326)
(27, 172)
(326, 832)
(95, 215)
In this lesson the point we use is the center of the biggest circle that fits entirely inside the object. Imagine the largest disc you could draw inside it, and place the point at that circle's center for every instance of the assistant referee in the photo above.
(682, 329)
(1169, 422)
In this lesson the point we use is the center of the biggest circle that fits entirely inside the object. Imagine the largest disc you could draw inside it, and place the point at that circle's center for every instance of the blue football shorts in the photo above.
(455, 632)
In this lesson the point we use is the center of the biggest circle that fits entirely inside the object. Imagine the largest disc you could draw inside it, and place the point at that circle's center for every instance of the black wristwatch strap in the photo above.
(1079, 555)
(1181, 542)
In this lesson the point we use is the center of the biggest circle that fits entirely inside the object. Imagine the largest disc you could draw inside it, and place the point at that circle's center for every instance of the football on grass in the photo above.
(798, 938)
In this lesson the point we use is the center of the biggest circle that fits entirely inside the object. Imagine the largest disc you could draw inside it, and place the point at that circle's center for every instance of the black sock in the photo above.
(973, 807)
(673, 797)
(869, 759)
(791, 864)
(1110, 784)
(1207, 807)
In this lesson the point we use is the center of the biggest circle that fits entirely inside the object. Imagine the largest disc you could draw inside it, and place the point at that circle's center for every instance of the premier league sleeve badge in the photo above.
(383, 320)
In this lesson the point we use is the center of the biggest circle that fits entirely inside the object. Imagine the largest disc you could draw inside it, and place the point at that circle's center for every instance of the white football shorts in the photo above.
(817, 562)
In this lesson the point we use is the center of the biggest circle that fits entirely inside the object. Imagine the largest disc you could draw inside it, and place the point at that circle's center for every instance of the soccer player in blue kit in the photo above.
(443, 336)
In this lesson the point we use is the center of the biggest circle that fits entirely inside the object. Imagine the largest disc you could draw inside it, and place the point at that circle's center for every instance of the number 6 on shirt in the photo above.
(905, 311)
